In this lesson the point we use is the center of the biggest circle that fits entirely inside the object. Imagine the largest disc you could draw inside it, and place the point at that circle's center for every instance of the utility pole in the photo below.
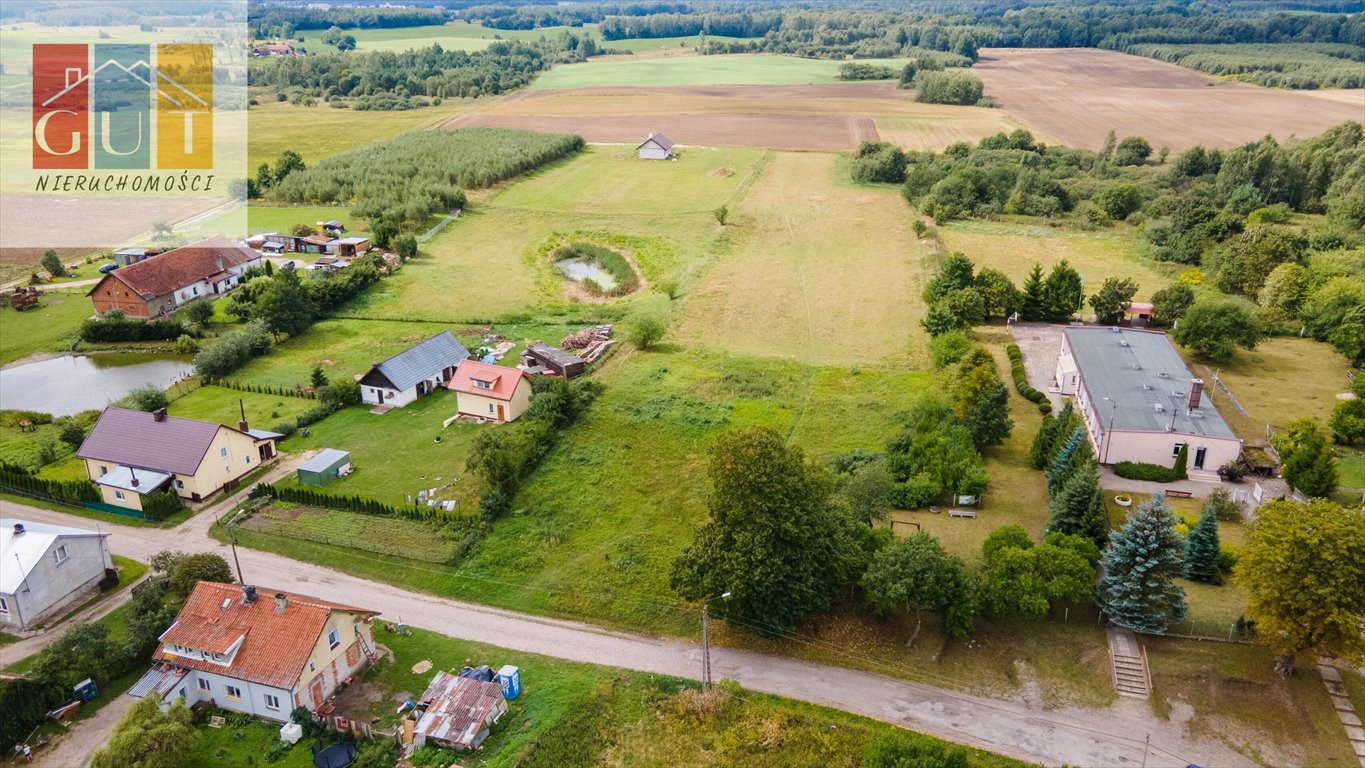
(232, 539)
(705, 647)
(1145, 745)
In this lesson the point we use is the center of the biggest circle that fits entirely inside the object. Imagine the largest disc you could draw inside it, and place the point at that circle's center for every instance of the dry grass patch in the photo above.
(815, 274)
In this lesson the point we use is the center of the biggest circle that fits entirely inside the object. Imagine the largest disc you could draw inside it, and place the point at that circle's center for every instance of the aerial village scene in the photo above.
(696, 383)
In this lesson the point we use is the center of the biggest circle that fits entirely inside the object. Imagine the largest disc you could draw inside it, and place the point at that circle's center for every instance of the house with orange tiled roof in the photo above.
(258, 652)
(158, 285)
(492, 392)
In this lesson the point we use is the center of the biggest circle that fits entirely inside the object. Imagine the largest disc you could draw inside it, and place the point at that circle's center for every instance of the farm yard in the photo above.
(824, 117)
(1133, 96)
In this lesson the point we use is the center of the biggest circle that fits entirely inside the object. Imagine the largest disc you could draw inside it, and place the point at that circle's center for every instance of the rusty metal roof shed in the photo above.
(459, 710)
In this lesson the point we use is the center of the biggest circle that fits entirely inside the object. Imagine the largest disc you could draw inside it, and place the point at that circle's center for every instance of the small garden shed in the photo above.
(325, 467)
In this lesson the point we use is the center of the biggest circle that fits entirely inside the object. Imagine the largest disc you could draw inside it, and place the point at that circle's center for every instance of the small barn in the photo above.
(325, 467)
(458, 712)
(656, 147)
(543, 358)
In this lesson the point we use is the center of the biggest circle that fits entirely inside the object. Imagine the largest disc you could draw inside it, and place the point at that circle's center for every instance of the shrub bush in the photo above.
(1020, 376)
(233, 350)
(1153, 473)
(116, 328)
(14, 480)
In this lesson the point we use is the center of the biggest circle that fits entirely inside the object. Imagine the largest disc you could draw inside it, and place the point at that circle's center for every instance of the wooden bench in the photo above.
(1178, 494)
(962, 513)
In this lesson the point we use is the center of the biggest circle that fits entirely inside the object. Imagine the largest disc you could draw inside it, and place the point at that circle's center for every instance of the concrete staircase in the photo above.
(1128, 660)
(1204, 476)
(1345, 711)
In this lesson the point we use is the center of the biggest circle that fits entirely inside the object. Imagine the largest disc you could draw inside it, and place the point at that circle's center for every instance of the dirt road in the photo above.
(1108, 737)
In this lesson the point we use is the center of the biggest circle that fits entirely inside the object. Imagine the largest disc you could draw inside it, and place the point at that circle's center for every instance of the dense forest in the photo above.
(389, 80)
(269, 21)
(1229, 214)
(1282, 66)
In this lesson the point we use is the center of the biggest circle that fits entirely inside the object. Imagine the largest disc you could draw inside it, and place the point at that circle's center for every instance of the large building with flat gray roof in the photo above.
(1140, 403)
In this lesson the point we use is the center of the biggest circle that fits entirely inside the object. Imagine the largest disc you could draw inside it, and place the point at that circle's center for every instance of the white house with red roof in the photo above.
(258, 652)
(492, 392)
(158, 285)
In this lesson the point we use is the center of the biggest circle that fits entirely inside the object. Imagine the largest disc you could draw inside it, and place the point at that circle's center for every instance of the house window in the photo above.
(1176, 450)
(118, 494)
(334, 639)
(104, 471)
(4, 605)
(196, 290)
(248, 459)
(490, 408)
(183, 695)
(222, 453)
(233, 693)
(180, 484)
(483, 384)
(312, 667)
(272, 702)
(59, 554)
(204, 686)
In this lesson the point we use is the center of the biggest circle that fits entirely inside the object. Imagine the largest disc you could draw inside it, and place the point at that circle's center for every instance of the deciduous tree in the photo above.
(146, 737)
(1303, 570)
(192, 569)
(774, 542)
(1138, 590)
(1111, 299)
(1170, 303)
(1309, 465)
(1215, 329)
(916, 574)
(1020, 579)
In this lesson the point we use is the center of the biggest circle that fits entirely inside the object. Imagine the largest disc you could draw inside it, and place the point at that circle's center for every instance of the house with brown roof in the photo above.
(129, 454)
(158, 285)
(492, 392)
(260, 652)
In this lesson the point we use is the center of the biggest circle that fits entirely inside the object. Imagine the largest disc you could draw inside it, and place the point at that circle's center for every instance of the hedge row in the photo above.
(1155, 473)
(113, 329)
(70, 491)
(357, 504)
(161, 505)
(1021, 384)
(246, 386)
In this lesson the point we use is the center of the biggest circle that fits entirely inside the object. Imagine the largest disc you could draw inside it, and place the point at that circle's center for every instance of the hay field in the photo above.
(818, 273)
(1078, 95)
(832, 117)
(318, 132)
(1015, 248)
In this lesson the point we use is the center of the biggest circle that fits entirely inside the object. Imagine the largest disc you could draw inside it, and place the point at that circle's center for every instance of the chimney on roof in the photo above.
(281, 602)
(241, 425)
(218, 260)
(133, 473)
(159, 414)
(1196, 389)
(18, 529)
(248, 594)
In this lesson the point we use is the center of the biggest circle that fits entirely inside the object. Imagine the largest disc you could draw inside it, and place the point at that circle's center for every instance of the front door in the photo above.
(317, 693)
(502, 416)
(1199, 457)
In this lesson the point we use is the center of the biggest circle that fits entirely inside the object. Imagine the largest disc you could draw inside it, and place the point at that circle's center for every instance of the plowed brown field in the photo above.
(824, 118)
(1078, 95)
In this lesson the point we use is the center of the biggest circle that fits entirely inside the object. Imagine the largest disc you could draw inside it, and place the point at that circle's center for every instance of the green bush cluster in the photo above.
(264, 389)
(878, 162)
(331, 398)
(115, 327)
(161, 505)
(856, 70)
(934, 458)
(358, 504)
(17, 480)
(1021, 384)
(608, 259)
(961, 88)
(1155, 473)
(232, 350)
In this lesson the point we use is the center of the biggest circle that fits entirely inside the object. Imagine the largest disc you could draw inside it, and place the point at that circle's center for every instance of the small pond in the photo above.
(586, 269)
(70, 384)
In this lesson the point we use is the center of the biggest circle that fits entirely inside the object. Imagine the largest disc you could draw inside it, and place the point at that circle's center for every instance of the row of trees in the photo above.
(280, 20)
(959, 297)
(403, 180)
(1308, 66)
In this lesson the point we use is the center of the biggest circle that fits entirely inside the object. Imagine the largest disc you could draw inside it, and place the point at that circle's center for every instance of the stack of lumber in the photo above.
(586, 338)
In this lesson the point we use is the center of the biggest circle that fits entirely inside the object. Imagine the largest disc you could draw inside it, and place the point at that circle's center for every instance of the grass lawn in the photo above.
(810, 275)
(741, 69)
(610, 179)
(452, 36)
(1355, 687)
(1282, 379)
(221, 405)
(21, 447)
(1013, 248)
(395, 454)
(572, 714)
(242, 742)
(51, 326)
(322, 131)
(282, 218)
(412, 539)
(1350, 467)
(1237, 697)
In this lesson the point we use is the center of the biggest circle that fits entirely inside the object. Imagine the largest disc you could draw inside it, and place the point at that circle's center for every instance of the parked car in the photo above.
(107, 268)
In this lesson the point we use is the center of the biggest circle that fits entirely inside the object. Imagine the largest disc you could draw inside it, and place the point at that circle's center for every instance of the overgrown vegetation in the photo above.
(1277, 65)
(611, 261)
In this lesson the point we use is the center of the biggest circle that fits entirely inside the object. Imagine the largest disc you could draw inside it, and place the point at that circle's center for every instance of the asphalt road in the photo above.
(1113, 736)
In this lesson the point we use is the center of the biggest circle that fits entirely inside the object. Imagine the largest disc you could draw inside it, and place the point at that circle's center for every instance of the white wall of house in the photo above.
(652, 151)
(398, 398)
(69, 570)
(232, 694)
(195, 290)
(1161, 448)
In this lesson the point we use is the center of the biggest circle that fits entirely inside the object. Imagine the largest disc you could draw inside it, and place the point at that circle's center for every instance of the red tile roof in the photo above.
(277, 645)
(173, 270)
(504, 379)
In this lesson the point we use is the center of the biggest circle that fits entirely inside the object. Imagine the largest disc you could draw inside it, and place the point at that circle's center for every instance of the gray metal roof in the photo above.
(658, 138)
(1143, 373)
(324, 460)
(553, 354)
(122, 478)
(418, 362)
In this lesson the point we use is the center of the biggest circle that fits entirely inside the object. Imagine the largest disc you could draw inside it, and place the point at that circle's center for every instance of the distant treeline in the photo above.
(1308, 66)
(270, 21)
(386, 76)
(532, 16)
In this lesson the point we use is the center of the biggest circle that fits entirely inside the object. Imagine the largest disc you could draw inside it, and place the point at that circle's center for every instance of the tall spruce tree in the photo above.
(1078, 508)
(1137, 588)
(1201, 549)
(1032, 307)
(1063, 293)
(1054, 430)
(1075, 451)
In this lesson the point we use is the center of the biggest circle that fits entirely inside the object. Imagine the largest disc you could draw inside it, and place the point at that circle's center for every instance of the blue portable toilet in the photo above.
(85, 690)
(510, 678)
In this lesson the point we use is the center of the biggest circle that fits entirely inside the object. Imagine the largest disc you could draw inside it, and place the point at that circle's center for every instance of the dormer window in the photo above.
(483, 384)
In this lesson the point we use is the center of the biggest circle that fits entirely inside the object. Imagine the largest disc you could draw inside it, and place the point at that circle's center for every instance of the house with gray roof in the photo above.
(414, 372)
(130, 454)
(1140, 402)
(656, 147)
